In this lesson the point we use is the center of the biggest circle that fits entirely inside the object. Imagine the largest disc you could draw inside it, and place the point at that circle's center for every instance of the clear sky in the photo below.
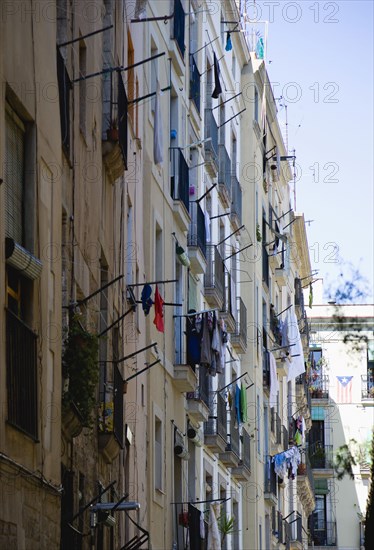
(321, 57)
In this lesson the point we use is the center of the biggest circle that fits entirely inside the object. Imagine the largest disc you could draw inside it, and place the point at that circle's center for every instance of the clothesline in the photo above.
(203, 501)
(197, 312)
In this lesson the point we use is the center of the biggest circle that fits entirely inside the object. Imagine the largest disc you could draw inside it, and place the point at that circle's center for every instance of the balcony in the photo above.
(195, 84)
(196, 239)
(280, 276)
(64, 87)
(214, 278)
(270, 482)
(321, 457)
(367, 387)
(242, 472)
(215, 429)
(299, 296)
(185, 379)
(303, 398)
(178, 47)
(179, 187)
(304, 332)
(111, 415)
(224, 177)
(230, 457)
(21, 375)
(198, 400)
(276, 427)
(228, 308)
(211, 146)
(239, 337)
(275, 327)
(305, 485)
(323, 533)
(319, 388)
(294, 532)
(236, 203)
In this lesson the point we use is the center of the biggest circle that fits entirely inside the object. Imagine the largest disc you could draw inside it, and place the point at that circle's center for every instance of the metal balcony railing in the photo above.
(224, 172)
(214, 277)
(196, 235)
(265, 369)
(64, 87)
(179, 177)
(240, 334)
(323, 533)
(236, 199)
(278, 429)
(122, 119)
(246, 449)
(21, 374)
(234, 436)
(211, 131)
(275, 327)
(179, 26)
(195, 84)
(302, 381)
(280, 528)
(265, 266)
(299, 296)
(319, 387)
(111, 410)
(305, 469)
(321, 456)
(217, 423)
(202, 391)
(367, 386)
(270, 477)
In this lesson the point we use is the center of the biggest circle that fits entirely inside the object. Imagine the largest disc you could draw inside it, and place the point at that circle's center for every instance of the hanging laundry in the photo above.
(206, 350)
(237, 405)
(243, 403)
(193, 340)
(274, 384)
(216, 346)
(217, 85)
(207, 226)
(214, 539)
(194, 518)
(229, 399)
(303, 431)
(288, 459)
(140, 9)
(259, 46)
(159, 313)
(224, 339)
(297, 363)
(297, 438)
(158, 156)
(228, 46)
(146, 299)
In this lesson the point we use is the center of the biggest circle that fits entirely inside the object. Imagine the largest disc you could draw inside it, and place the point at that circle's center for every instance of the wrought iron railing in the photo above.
(265, 265)
(270, 477)
(217, 423)
(202, 391)
(236, 198)
(195, 84)
(285, 437)
(305, 469)
(240, 334)
(111, 407)
(179, 177)
(323, 533)
(321, 456)
(234, 436)
(278, 429)
(196, 234)
(224, 173)
(367, 386)
(319, 387)
(214, 276)
(122, 118)
(64, 87)
(280, 528)
(21, 374)
(211, 131)
(246, 449)
(179, 26)
(265, 369)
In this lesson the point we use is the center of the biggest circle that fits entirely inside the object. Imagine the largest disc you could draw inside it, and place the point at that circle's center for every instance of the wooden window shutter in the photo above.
(14, 176)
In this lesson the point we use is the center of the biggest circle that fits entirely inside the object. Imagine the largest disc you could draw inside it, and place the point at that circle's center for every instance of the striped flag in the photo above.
(344, 393)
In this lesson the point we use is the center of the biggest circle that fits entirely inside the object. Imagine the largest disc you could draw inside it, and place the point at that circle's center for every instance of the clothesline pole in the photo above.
(164, 304)
(117, 321)
(203, 501)
(206, 193)
(153, 282)
(233, 233)
(223, 102)
(237, 252)
(135, 353)
(141, 371)
(282, 216)
(196, 313)
(277, 315)
(281, 347)
(231, 383)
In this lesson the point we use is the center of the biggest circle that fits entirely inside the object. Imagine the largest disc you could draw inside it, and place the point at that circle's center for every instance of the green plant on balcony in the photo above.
(80, 370)
(258, 233)
(226, 525)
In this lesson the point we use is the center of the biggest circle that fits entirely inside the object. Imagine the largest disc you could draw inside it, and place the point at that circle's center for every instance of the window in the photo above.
(82, 87)
(131, 78)
(14, 172)
(154, 73)
(179, 26)
(158, 454)
(256, 106)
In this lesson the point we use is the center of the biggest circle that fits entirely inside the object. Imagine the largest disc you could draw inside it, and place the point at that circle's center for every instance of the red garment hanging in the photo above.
(159, 314)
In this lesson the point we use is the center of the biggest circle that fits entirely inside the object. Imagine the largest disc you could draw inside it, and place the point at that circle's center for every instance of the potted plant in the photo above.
(81, 370)
(226, 525)
(258, 233)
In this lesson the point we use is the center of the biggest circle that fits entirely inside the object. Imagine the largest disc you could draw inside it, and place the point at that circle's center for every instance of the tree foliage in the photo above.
(350, 287)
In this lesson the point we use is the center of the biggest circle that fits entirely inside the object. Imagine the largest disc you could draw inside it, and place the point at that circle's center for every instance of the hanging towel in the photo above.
(157, 129)
(194, 518)
(297, 438)
(237, 404)
(214, 539)
(297, 366)
(243, 403)
(207, 226)
(274, 384)
(147, 301)
(159, 314)
(193, 341)
(228, 46)
(217, 85)
(206, 350)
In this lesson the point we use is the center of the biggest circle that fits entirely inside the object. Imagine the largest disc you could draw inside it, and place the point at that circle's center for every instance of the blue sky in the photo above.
(323, 64)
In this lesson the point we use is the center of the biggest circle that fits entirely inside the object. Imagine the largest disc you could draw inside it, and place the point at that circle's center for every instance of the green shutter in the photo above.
(320, 487)
(318, 413)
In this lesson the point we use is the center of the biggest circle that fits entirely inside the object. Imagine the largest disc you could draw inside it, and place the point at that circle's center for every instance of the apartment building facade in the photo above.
(341, 381)
(162, 253)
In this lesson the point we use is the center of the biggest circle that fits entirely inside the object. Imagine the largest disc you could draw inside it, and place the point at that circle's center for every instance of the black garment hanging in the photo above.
(217, 84)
